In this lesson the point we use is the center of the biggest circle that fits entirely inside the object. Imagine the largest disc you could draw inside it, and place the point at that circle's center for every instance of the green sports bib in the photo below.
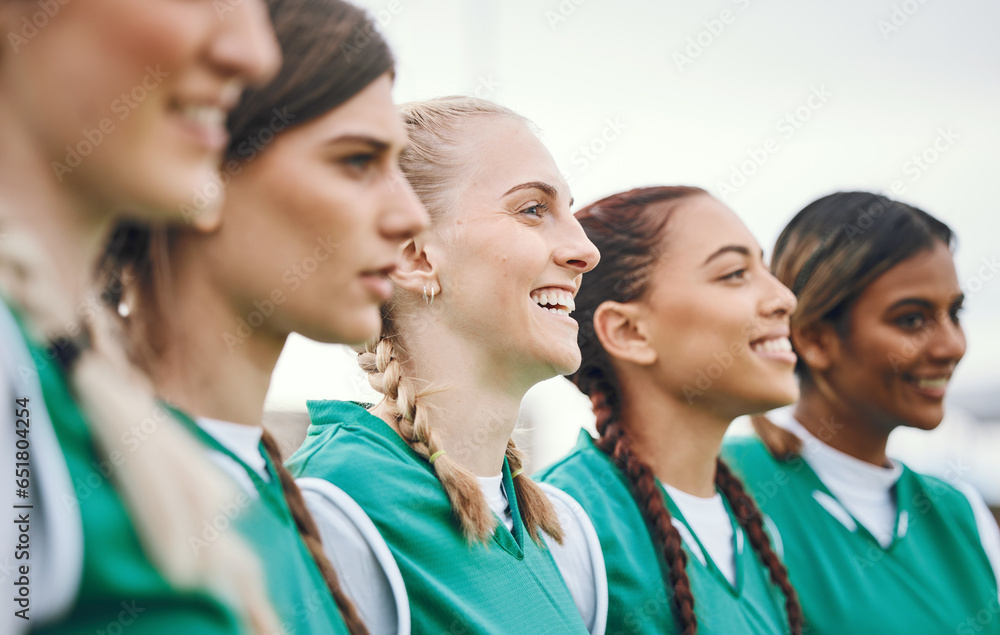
(933, 578)
(120, 589)
(639, 600)
(296, 586)
(507, 585)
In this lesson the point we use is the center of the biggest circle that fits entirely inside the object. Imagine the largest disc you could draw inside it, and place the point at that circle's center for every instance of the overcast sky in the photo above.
(768, 104)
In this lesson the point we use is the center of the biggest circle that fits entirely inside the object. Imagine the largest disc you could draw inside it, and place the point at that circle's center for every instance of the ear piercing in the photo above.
(429, 299)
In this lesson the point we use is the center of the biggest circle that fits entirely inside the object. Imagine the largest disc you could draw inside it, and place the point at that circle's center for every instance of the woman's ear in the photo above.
(622, 332)
(416, 271)
(208, 218)
(817, 345)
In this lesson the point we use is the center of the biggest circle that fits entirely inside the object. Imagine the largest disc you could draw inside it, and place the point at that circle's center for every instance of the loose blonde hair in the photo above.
(168, 485)
(433, 166)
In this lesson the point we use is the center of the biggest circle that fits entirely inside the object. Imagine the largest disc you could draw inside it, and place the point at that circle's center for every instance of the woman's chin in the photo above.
(773, 400)
(568, 363)
(352, 330)
(927, 421)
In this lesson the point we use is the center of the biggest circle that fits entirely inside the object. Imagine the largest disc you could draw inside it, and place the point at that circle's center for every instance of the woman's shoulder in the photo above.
(747, 453)
(342, 435)
(358, 452)
(585, 461)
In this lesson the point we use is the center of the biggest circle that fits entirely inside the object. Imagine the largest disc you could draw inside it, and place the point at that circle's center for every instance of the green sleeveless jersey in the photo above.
(120, 589)
(298, 592)
(639, 599)
(507, 585)
(933, 578)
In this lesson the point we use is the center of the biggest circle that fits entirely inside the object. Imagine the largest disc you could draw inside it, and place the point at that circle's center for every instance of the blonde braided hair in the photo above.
(432, 166)
(168, 485)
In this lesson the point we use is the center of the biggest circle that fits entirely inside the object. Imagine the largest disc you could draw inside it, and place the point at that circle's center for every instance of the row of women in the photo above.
(185, 184)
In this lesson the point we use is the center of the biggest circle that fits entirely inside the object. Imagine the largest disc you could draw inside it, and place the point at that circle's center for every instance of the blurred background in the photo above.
(768, 104)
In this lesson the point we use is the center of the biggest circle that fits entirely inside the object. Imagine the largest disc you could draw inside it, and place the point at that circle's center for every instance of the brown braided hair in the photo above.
(629, 230)
(827, 255)
(311, 536)
(432, 167)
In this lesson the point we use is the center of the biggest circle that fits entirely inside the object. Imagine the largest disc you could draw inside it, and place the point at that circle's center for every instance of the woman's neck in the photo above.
(69, 228)
(841, 427)
(471, 403)
(210, 367)
(680, 442)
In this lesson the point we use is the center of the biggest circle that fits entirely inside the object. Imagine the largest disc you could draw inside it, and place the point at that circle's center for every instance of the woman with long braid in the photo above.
(106, 108)
(428, 484)
(315, 213)
(871, 545)
(683, 329)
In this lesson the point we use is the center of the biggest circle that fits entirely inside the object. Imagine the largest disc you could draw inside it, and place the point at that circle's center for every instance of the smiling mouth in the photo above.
(204, 115)
(928, 383)
(772, 345)
(553, 300)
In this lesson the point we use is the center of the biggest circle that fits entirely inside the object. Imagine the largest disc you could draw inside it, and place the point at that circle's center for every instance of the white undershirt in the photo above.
(865, 490)
(581, 562)
(363, 560)
(580, 559)
(710, 522)
(243, 441)
(496, 497)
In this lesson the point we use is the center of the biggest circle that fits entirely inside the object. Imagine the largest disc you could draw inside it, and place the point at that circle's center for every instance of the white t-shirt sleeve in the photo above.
(989, 532)
(55, 530)
(364, 564)
(580, 559)
(9, 533)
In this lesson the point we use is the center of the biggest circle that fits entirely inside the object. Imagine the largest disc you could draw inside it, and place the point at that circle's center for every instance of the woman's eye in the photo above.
(359, 161)
(739, 274)
(911, 321)
(535, 210)
(956, 314)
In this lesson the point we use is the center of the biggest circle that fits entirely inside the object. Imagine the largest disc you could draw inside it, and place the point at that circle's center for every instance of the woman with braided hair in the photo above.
(430, 476)
(315, 214)
(871, 545)
(683, 330)
(108, 108)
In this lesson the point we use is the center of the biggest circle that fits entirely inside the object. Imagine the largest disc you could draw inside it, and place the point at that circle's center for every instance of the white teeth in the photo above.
(776, 345)
(205, 115)
(933, 383)
(554, 300)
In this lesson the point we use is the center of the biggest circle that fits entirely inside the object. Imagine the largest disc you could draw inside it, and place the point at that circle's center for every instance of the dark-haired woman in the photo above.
(871, 546)
(686, 329)
(108, 108)
(315, 212)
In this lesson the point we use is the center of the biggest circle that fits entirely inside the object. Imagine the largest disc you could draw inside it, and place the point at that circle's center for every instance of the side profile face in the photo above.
(902, 344)
(510, 255)
(313, 223)
(716, 317)
(127, 100)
